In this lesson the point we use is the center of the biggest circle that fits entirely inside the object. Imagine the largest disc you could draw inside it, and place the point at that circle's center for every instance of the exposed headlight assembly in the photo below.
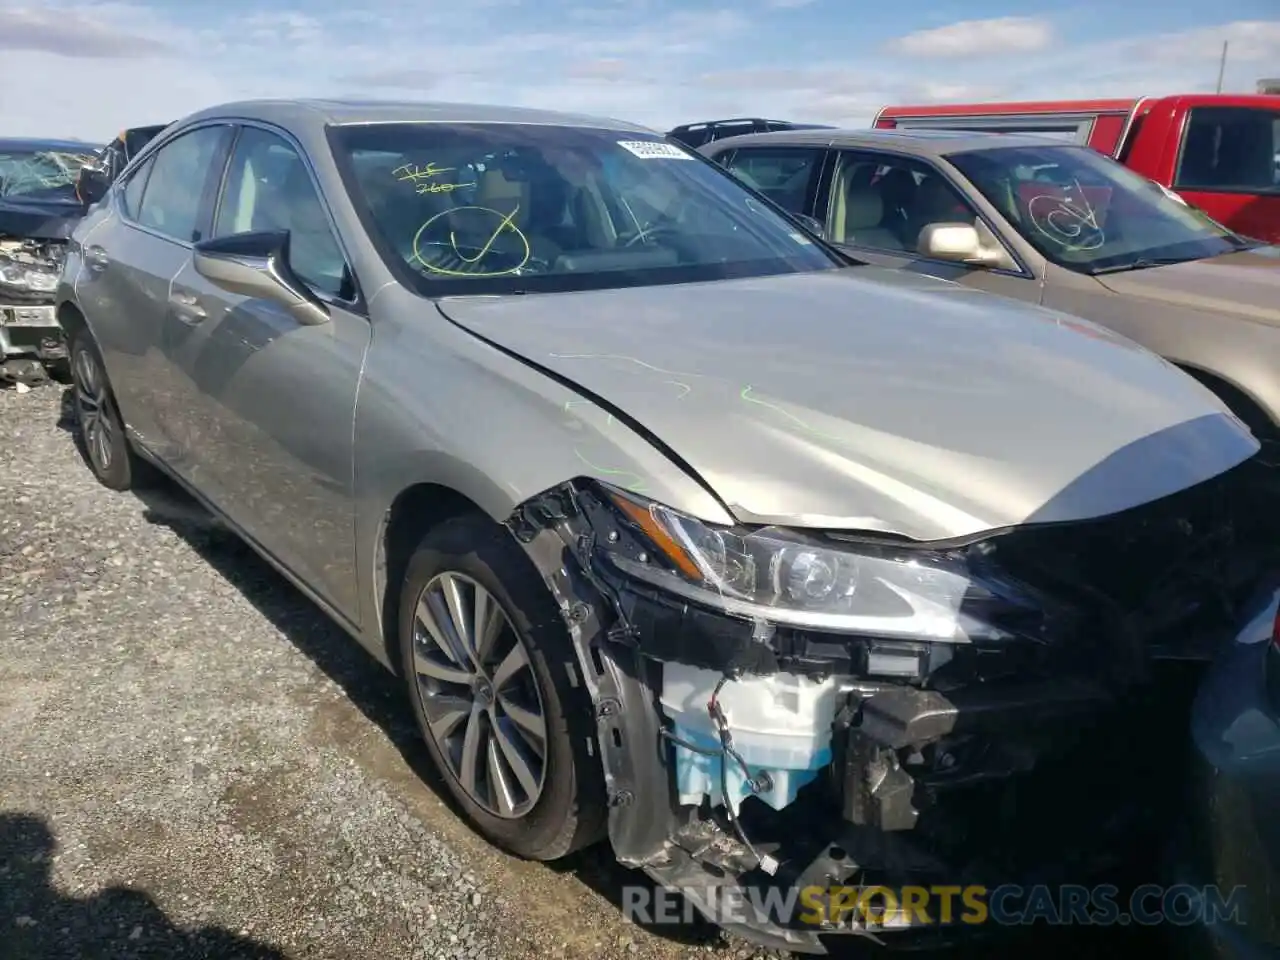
(25, 278)
(789, 578)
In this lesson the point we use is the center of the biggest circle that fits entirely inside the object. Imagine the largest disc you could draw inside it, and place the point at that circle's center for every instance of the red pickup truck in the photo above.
(1219, 152)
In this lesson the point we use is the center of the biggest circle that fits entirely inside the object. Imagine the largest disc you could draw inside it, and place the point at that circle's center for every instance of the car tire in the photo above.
(466, 557)
(103, 441)
(59, 370)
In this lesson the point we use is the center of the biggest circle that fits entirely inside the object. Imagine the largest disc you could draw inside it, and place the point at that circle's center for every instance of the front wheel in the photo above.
(487, 660)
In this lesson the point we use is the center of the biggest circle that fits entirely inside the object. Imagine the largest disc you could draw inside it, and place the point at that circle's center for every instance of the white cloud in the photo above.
(970, 37)
(409, 78)
(931, 91)
(832, 93)
(1185, 61)
(69, 34)
(87, 68)
(92, 79)
(608, 70)
(1250, 41)
(293, 27)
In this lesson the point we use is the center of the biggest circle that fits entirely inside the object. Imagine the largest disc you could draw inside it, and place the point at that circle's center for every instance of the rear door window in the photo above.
(1230, 150)
(175, 190)
(786, 175)
(1069, 130)
(133, 188)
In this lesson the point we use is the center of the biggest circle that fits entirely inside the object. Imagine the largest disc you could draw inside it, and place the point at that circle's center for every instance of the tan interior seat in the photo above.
(506, 196)
(858, 215)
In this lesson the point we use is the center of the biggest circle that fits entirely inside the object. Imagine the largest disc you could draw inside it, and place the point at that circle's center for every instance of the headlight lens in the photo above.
(784, 577)
(24, 278)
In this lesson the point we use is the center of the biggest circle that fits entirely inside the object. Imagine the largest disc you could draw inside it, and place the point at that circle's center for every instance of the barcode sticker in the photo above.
(653, 150)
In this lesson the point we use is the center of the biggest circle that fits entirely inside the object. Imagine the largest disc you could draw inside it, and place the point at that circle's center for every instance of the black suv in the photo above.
(695, 135)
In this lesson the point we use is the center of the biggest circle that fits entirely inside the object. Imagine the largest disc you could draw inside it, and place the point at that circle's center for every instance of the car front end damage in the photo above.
(30, 335)
(39, 210)
(796, 710)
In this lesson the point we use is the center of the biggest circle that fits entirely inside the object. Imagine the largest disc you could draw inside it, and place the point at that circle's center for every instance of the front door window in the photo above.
(171, 199)
(268, 188)
(884, 202)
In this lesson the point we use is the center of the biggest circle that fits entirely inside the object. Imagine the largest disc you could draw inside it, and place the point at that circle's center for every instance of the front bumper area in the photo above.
(29, 331)
(1042, 770)
(30, 334)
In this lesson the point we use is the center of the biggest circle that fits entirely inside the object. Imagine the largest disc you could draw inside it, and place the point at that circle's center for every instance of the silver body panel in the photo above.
(875, 400)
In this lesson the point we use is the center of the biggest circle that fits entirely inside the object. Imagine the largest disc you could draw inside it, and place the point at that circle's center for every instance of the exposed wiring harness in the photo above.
(756, 783)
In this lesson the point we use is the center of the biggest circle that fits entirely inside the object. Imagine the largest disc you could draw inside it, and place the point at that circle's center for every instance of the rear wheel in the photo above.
(487, 660)
(105, 445)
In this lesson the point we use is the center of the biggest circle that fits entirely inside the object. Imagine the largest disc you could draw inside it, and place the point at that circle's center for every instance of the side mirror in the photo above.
(92, 184)
(257, 265)
(812, 223)
(956, 242)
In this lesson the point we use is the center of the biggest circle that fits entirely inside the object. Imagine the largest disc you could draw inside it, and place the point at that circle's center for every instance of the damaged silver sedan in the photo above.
(772, 568)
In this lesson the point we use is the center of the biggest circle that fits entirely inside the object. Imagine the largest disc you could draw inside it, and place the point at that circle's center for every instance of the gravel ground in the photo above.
(195, 762)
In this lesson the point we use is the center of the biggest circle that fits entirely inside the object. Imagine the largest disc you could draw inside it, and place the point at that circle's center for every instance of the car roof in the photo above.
(308, 112)
(930, 142)
(44, 143)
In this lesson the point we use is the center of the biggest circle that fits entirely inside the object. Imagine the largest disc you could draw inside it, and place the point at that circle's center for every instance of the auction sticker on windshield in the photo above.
(653, 150)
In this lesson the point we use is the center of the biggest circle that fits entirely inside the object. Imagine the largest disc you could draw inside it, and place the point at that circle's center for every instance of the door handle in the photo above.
(187, 307)
(95, 257)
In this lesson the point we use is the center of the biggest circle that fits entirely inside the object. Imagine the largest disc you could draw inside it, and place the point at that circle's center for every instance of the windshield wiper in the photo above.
(1248, 243)
(1142, 263)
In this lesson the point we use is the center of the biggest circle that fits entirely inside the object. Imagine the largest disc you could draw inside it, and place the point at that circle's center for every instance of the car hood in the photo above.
(38, 220)
(1245, 284)
(869, 399)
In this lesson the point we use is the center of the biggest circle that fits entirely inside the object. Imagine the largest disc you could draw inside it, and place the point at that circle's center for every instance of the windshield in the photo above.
(498, 208)
(41, 174)
(1086, 212)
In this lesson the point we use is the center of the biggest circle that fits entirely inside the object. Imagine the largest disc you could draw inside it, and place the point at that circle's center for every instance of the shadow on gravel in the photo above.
(118, 923)
(375, 692)
(67, 412)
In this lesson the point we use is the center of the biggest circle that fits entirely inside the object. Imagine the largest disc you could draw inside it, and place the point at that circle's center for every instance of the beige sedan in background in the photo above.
(1046, 222)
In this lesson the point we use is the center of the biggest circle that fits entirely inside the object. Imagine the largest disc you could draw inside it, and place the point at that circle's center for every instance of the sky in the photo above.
(84, 69)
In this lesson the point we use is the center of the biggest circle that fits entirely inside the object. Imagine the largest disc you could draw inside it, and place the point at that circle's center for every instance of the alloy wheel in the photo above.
(96, 425)
(480, 695)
